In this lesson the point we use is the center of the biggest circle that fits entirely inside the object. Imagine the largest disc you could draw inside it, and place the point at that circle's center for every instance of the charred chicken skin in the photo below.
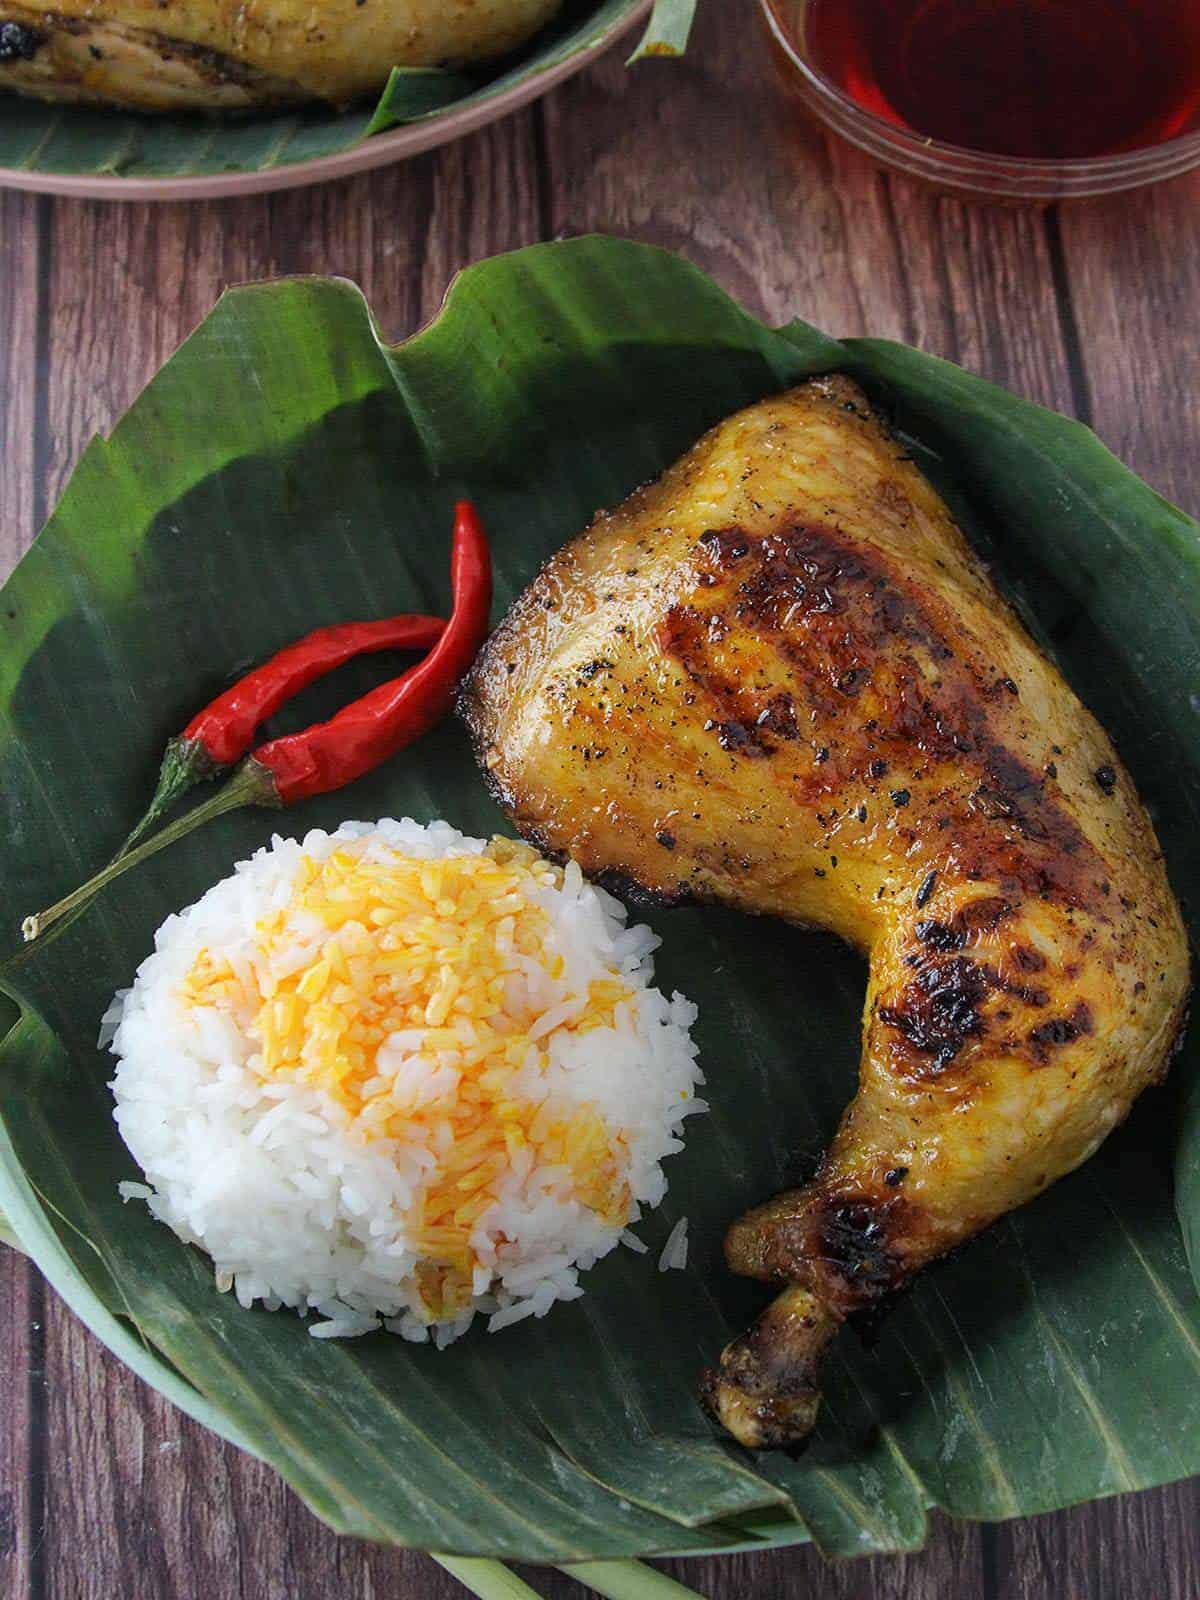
(780, 678)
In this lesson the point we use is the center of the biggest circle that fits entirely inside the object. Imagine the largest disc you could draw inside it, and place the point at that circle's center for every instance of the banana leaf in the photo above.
(80, 140)
(669, 30)
(287, 468)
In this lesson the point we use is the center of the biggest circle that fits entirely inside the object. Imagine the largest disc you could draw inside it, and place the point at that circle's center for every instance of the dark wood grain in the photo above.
(1131, 269)
(105, 1489)
(401, 233)
(21, 1294)
(20, 305)
(21, 1437)
(797, 225)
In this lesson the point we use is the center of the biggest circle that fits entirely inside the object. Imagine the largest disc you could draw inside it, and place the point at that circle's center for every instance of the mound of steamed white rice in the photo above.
(395, 1075)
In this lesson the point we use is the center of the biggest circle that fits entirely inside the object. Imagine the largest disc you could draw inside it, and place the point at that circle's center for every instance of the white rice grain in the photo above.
(675, 1251)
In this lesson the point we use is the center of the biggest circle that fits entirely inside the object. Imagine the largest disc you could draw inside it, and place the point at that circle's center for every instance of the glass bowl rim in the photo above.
(1170, 157)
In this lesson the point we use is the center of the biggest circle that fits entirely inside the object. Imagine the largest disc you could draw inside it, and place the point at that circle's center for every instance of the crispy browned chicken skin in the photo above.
(780, 678)
(180, 55)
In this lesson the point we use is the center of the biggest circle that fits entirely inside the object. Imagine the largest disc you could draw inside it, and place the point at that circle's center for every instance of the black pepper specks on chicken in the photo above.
(801, 587)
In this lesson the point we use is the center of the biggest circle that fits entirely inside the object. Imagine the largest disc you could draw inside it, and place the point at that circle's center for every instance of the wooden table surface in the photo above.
(105, 1489)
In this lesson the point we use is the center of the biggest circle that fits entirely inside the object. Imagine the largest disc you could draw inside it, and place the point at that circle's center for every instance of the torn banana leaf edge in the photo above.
(525, 345)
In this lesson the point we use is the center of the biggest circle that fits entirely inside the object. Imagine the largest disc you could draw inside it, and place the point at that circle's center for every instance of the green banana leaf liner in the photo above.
(78, 140)
(287, 468)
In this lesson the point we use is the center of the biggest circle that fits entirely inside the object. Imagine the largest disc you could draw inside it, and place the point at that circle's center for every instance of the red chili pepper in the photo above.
(222, 733)
(225, 728)
(370, 730)
(359, 738)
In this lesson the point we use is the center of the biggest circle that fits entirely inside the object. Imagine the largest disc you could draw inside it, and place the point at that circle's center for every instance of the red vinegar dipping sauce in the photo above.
(1047, 79)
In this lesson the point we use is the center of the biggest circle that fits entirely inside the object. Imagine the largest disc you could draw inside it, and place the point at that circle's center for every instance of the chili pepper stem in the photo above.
(185, 763)
(250, 785)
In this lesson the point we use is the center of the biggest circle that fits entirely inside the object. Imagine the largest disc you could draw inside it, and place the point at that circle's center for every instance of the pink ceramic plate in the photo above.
(378, 151)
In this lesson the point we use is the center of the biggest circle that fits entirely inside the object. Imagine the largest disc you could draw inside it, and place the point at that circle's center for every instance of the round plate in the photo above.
(377, 151)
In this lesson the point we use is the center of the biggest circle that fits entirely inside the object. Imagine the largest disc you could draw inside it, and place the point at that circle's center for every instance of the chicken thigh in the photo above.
(780, 678)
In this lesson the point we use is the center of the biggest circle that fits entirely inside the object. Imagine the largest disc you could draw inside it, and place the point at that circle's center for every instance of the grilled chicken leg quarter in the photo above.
(779, 678)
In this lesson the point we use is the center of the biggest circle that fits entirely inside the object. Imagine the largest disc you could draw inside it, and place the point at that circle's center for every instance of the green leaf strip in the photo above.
(489, 1580)
(628, 1580)
(668, 30)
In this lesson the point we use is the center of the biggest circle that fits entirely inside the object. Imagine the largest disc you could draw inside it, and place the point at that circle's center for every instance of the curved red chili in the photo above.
(369, 730)
(226, 727)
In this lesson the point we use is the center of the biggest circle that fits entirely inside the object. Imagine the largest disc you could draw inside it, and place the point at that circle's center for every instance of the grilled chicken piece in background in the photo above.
(177, 55)
(779, 678)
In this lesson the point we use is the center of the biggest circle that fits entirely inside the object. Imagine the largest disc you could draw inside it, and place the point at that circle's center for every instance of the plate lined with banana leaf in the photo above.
(133, 115)
(287, 469)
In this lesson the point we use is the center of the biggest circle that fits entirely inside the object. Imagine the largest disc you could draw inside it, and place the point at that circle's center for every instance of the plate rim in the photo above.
(377, 150)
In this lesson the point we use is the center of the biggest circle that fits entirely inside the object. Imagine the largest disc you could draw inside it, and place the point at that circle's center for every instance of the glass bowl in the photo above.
(952, 166)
